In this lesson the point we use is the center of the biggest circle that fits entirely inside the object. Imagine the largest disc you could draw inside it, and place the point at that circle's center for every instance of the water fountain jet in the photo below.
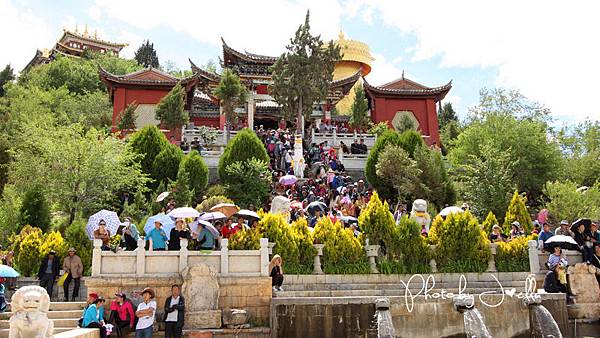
(385, 326)
(542, 322)
(474, 325)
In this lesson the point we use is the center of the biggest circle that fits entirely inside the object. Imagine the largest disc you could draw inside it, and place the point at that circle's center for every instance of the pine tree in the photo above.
(146, 55)
(170, 110)
(489, 223)
(360, 110)
(517, 211)
(148, 142)
(166, 164)
(446, 115)
(302, 75)
(35, 210)
(6, 76)
(231, 92)
(181, 192)
(196, 170)
(127, 117)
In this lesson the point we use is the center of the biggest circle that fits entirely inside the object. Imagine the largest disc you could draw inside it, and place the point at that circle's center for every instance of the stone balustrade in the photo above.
(354, 162)
(145, 263)
(334, 138)
(538, 258)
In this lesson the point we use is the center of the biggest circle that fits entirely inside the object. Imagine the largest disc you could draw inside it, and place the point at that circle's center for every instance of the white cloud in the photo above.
(133, 40)
(398, 59)
(382, 70)
(454, 99)
(264, 28)
(95, 13)
(547, 49)
(24, 33)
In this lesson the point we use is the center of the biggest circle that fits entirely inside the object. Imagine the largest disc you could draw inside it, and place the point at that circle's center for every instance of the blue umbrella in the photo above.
(109, 217)
(166, 221)
(8, 272)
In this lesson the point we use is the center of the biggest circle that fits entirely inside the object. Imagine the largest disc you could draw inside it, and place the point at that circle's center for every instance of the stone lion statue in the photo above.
(30, 305)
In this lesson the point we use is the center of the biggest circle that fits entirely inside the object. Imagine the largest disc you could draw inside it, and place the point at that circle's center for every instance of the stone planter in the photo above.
(317, 263)
(372, 252)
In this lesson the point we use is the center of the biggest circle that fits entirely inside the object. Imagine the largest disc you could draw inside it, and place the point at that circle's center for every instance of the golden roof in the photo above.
(355, 51)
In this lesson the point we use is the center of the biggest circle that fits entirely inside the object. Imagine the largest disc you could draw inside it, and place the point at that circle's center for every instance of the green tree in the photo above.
(252, 183)
(4, 160)
(581, 148)
(166, 164)
(197, 171)
(243, 147)
(486, 180)
(434, 184)
(6, 76)
(146, 55)
(360, 110)
(446, 115)
(565, 201)
(508, 102)
(448, 134)
(489, 222)
(79, 169)
(148, 142)
(210, 66)
(171, 109)
(127, 117)
(405, 123)
(76, 237)
(35, 210)
(302, 75)
(384, 188)
(395, 167)
(517, 211)
(231, 92)
(181, 188)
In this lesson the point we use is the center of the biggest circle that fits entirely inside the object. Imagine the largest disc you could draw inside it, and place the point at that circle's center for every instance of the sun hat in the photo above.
(150, 291)
(496, 226)
(71, 249)
(120, 294)
(564, 222)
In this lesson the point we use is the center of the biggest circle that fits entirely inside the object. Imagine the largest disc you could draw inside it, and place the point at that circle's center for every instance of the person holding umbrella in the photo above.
(157, 237)
(73, 267)
(49, 270)
(2, 298)
(178, 232)
(103, 234)
(11, 282)
(564, 229)
(206, 238)
(556, 278)
(130, 235)
(584, 240)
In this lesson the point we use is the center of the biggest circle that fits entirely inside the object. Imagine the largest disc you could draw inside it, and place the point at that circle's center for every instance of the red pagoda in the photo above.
(404, 98)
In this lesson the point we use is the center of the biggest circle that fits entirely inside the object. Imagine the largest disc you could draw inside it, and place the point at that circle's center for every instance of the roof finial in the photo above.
(402, 74)
(96, 34)
(341, 36)
(85, 33)
(76, 28)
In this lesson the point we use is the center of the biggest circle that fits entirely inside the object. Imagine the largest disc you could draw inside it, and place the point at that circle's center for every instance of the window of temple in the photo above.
(404, 118)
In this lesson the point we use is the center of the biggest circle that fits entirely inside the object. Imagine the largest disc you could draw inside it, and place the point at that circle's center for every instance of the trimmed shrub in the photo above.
(377, 222)
(166, 164)
(461, 244)
(489, 222)
(31, 245)
(343, 253)
(197, 171)
(410, 140)
(513, 256)
(277, 230)
(436, 223)
(385, 190)
(252, 183)
(245, 240)
(244, 146)
(215, 190)
(77, 237)
(148, 142)
(211, 202)
(35, 210)
(306, 251)
(517, 211)
(180, 189)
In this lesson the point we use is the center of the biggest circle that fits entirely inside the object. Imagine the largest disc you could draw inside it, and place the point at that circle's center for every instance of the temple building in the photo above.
(145, 88)
(73, 43)
(404, 98)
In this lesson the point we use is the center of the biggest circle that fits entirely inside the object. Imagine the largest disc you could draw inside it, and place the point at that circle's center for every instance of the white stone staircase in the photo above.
(65, 316)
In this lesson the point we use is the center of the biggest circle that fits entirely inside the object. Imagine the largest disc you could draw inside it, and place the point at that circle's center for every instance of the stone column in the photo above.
(183, 254)
(372, 252)
(334, 142)
(250, 111)
(264, 256)
(97, 258)
(140, 258)
(317, 263)
(432, 262)
(224, 256)
(492, 261)
(271, 246)
(534, 258)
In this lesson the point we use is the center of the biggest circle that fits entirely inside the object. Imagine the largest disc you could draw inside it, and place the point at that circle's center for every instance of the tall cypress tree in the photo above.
(146, 55)
(6, 75)
(360, 108)
(170, 110)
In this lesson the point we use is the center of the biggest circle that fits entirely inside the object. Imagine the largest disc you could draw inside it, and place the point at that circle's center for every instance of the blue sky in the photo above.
(543, 48)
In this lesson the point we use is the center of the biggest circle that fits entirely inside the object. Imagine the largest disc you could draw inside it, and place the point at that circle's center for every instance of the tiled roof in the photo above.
(248, 56)
(68, 34)
(210, 76)
(148, 76)
(411, 91)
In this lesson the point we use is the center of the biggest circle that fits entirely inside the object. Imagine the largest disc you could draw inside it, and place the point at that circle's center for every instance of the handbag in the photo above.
(61, 280)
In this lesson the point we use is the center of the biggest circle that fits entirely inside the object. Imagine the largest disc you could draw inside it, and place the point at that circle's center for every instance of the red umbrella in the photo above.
(296, 205)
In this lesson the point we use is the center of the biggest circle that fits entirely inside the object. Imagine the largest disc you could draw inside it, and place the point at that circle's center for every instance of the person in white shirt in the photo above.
(174, 313)
(145, 312)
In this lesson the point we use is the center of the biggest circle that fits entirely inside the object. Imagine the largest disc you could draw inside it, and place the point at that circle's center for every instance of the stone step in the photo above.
(57, 314)
(364, 293)
(388, 286)
(65, 306)
(69, 322)
(4, 332)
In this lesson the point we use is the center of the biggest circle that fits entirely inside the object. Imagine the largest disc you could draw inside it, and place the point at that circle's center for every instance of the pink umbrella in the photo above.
(543, 216)
(288, 180)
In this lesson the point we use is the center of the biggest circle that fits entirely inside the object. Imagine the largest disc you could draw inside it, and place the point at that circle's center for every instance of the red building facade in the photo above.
(403, 98)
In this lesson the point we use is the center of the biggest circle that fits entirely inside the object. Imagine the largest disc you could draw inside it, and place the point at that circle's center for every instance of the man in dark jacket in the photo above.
(49, 270)
(174, 311)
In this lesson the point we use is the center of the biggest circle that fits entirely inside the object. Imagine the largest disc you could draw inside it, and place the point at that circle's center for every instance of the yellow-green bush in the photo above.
(517, 211)
(306, 251)
(277, 230)
(409, 252)
(489, 222)
(461, 244)
(343, 253)
(377, 222)
(31, 245)
(513, 256)
(432, 237)
(245, 240)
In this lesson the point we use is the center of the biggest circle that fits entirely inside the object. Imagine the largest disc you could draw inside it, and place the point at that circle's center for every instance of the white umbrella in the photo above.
(207, 225)
(247, 214)
(565, 242)
(450, 210)
(211, 216)
(109, 217)
(183, 212)
(162, 196)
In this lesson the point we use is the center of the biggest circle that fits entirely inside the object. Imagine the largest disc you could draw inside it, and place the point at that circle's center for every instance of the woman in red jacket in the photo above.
(122, 315)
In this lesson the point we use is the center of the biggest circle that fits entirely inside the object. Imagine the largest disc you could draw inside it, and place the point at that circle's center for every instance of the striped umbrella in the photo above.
(109, 217)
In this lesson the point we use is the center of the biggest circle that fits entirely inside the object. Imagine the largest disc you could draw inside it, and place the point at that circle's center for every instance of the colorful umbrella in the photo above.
(543, 216)
(110, 218)
(184, 212)
(227, 209)
(585, 221)
(248, 214)
(288, 180)
(166, 221)
(296, 205)
(207, 225)
(162, 196)
(349, 219)
(8, 272)
(211, 216)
